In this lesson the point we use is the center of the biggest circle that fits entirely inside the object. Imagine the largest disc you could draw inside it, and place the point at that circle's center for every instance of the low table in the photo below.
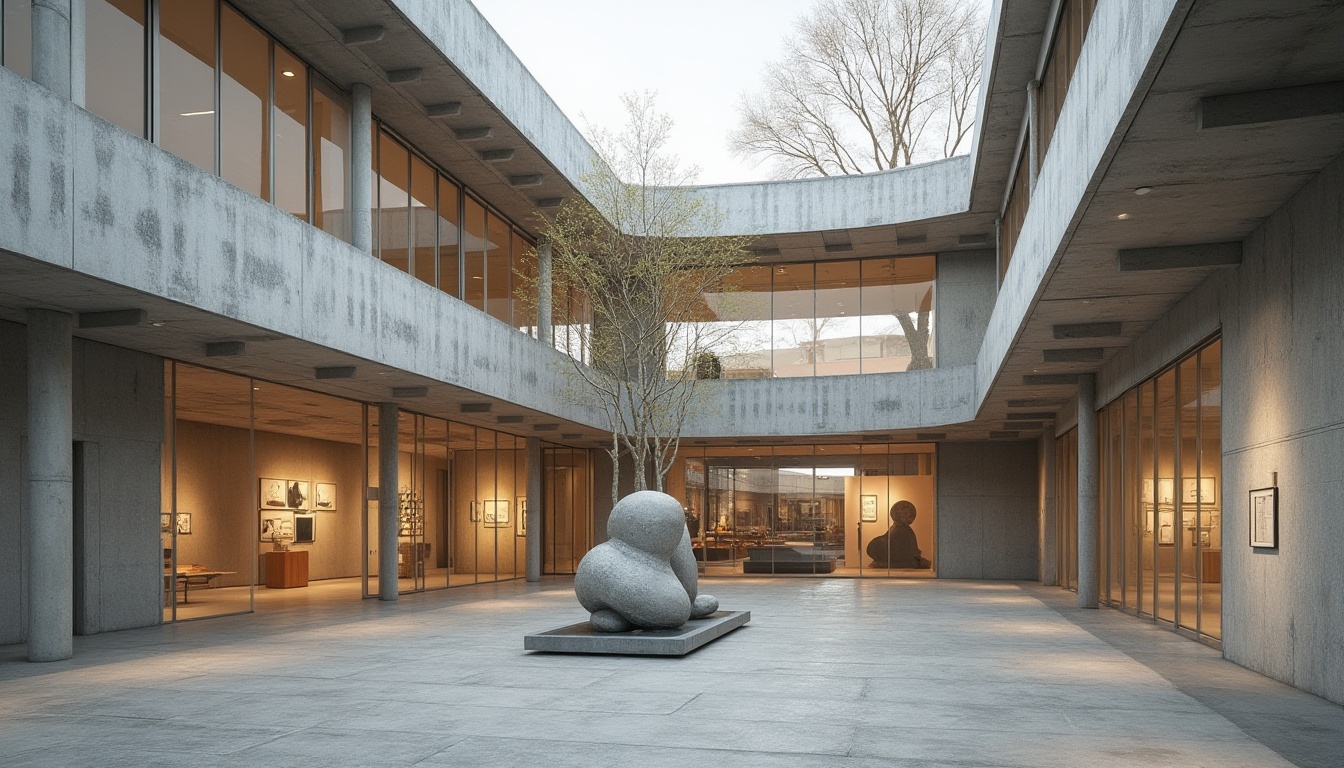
(194, 577)
(786, 559)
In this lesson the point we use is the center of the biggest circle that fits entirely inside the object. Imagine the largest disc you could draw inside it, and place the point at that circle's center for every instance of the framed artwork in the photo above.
(183, 523)
(277, 493)
(1202, 490)
(868, 508)
(276, 524)
(1265, 517)
(1166, 490)
(165, 522)
(1166, 528)
(522, 516)
(305, 529)
(324, 497)
(495, 513)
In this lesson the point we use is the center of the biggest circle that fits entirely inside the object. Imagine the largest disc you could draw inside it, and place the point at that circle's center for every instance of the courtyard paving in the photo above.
(830, 672)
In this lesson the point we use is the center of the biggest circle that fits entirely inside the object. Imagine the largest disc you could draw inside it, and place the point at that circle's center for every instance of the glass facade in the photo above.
(1160, 497)
(823, 319)
(250, 466)
(857, 510)
(115, 71)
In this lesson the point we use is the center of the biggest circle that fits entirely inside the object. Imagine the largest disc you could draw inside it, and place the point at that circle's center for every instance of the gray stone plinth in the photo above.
(582, 638)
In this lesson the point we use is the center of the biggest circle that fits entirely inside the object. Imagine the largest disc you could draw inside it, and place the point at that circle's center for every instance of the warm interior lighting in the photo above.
(1123, 217)
(287, 73)
(197, 114)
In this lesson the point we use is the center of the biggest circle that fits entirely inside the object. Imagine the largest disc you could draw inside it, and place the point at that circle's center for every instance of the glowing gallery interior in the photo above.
(261, 314)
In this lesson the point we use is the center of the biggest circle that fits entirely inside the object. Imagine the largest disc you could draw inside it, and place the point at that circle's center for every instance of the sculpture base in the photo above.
(582, 638)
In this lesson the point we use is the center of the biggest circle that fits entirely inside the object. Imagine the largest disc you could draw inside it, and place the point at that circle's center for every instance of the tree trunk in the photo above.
(917, 337)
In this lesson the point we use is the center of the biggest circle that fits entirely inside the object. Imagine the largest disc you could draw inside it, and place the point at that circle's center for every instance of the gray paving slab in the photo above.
(842, 673)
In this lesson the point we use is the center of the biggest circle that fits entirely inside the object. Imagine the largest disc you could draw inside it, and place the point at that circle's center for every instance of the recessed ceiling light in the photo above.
(1123, 217)
(197, 114)
(158, 324)
(287, 73)
(1141, 191)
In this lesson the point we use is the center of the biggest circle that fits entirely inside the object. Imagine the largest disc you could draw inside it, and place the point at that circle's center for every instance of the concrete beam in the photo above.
(116, 318)
(1086, 330)
(1076, 355)
(1272, 105)
(362, 35)
(225, 349)
(1202, 255)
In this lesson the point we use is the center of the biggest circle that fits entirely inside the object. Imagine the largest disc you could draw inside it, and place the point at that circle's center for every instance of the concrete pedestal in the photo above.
(582, 638)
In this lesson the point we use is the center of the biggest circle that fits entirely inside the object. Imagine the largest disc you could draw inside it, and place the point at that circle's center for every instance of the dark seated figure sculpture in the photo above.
(898, 547)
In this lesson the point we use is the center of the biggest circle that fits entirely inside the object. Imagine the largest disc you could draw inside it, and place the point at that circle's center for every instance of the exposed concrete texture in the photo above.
(833, 404)
(51, 45)
(1193, 319)
(117, 411)
(361, 168)
(535, 508)
(1045, 459)
(582, 638)
(1101, 99)
(50, 486)
(1088, 569)
(545, 329)
(966, 288)
(152, 222)
(987, 510)
(389, 464)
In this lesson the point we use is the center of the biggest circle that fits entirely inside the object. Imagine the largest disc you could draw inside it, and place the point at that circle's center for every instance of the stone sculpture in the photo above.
(645, 576)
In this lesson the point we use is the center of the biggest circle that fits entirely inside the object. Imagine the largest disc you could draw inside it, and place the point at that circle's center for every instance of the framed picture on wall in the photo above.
(495, 513)
(305, 529)
(324, 497)
(868, 508)
(165, 522)
(1265, 518)
(1202, 490)
(278, 493)
(275, 524)
(522, 516)
(183, 523)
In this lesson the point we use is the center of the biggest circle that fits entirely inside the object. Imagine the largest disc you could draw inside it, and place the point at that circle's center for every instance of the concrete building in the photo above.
(257, 270)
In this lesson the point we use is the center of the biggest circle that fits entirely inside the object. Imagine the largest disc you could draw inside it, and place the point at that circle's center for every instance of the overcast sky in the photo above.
(699, 55)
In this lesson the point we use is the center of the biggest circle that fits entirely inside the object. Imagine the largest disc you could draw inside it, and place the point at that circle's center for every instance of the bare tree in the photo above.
(866, 85)
(633, 252)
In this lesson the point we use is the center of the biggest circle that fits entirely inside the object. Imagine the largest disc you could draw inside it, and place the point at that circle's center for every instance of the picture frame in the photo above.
(324, 497)
(1199, 490)
(280, 493)
(1166, 491)
(522, 517)
(1166, 526)
(183, 523)
(495, 513)
(275, 523)
(165, 522)
(305, 529)
(1264, 508)
(868, 508)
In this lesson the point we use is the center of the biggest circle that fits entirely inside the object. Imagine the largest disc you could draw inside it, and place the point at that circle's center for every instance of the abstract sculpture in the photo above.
(645, 576)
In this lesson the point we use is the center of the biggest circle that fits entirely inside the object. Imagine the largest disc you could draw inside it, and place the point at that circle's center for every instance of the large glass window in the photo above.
(424, 218)
(499, 266)
(17, 45)
(290, 136)
(245, 101)
(187, 80)
(450, 200)
(473, 261)
(393, 202)
(115, 62)
(1161, 496)
(331, 162)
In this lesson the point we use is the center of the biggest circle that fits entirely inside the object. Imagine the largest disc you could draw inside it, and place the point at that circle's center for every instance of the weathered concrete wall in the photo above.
(987, 510)
(831, 405)
(118, 428)
(86, 195)
(965, 297)
(1120, 44)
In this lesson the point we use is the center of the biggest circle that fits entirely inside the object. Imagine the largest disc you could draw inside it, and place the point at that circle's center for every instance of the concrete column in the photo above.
(1087, 491)
(545, 332)
(1049, 571)
(1033, 142)
(78, 52)
(51, 559)
(361, 168)
(388, 483)
(534, 508)
(51, 45)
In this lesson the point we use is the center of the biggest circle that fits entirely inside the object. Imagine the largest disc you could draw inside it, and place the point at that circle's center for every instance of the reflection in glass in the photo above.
(245, 100)
(796, 334)
(331, 165)
(1168, 522)
(524, 268)
(837, 308)
(1187, 503)
(291, 134)
(499, 265)
(393, 202)
(1212, 507)
(897, 322)
(424, 219)
(18, 42)
(115, 62)
(187, 80)
(1148, 498)
(449, 200)
(473, 265)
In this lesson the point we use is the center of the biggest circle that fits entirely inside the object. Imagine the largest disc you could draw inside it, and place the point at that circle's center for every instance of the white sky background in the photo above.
(698, 55)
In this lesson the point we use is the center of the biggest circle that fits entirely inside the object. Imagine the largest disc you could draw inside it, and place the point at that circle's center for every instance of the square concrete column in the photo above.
(388, 518)
(361, 168)
(1088, 594)
(534, 507)
(51, 559)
